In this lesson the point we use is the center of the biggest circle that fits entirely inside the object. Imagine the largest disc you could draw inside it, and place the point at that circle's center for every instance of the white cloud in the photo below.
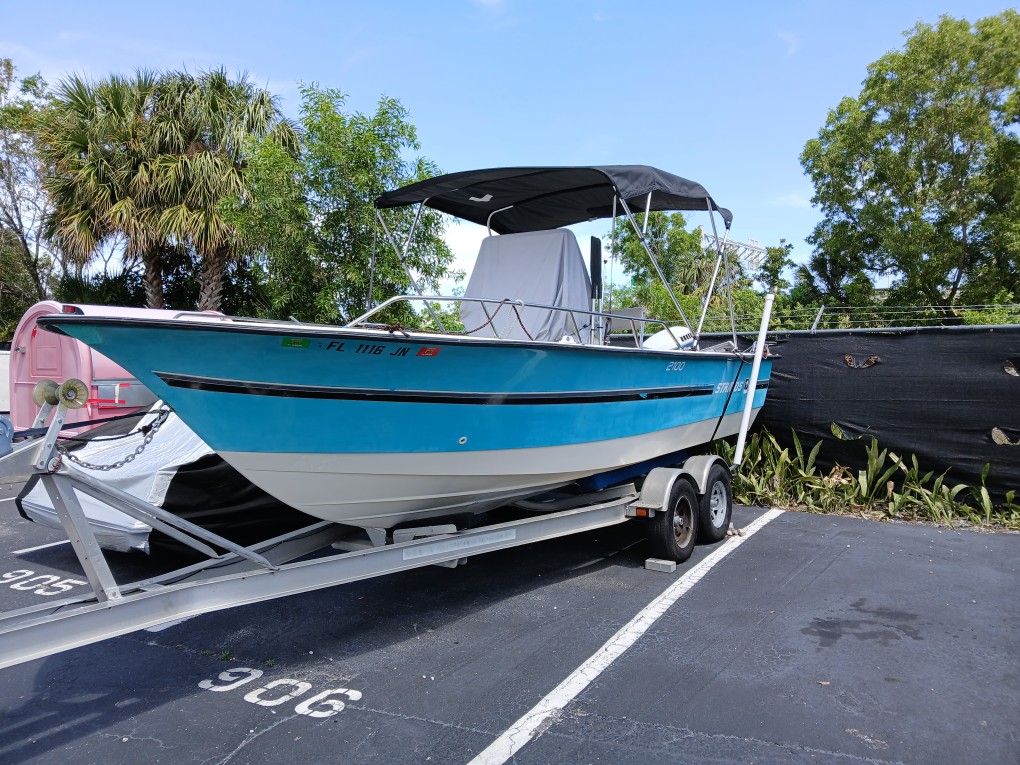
(29, 61)
(599, 16)
(463, 239)
(790, 40)
(794, 200)
(488, 3)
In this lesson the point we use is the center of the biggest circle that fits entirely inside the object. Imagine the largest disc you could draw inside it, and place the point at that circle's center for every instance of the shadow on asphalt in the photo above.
(93, 689)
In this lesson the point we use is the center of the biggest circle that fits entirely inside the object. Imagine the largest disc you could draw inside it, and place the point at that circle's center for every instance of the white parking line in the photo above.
(41, 547)
(521, 732)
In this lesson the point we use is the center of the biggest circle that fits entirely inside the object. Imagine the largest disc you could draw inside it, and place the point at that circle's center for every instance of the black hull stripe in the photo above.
(218, 385)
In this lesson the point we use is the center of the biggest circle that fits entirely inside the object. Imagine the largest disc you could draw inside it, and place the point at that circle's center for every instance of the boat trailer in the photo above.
(321, 555)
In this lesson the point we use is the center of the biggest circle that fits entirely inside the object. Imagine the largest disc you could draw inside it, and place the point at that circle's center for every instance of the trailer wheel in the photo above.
(716, 505)
(672, 533)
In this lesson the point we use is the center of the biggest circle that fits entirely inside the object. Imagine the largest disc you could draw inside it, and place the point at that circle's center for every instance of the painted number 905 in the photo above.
(323, 704)
(27, 580)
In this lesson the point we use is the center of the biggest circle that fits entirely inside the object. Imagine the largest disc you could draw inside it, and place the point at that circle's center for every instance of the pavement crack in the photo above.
(252, 737)
(643, 736)
(418, 718)
(133, 736)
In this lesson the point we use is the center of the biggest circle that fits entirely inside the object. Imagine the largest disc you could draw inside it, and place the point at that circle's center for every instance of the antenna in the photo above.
(752, 253)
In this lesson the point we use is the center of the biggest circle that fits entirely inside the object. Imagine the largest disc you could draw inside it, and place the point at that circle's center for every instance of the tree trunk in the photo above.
(32, 267)
(214, 272)
(152, 261)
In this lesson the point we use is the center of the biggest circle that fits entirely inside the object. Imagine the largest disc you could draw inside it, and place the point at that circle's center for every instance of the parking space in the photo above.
(817, 639)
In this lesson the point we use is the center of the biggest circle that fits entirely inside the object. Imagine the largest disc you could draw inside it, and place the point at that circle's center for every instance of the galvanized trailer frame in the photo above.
(235, 575)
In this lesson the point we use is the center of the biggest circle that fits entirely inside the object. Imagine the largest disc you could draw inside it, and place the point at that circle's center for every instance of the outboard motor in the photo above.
(663, 341)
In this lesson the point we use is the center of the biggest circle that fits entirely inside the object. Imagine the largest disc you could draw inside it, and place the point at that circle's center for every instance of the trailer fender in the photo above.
(697, 468)
(656, 487)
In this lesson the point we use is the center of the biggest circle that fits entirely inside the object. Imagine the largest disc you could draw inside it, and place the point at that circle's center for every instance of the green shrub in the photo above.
(887, 487)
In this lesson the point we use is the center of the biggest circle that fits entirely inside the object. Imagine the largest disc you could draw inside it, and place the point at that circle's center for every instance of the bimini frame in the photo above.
(721, 262)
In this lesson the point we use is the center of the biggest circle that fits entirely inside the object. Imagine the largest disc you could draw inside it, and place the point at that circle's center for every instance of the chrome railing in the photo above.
(596, 331)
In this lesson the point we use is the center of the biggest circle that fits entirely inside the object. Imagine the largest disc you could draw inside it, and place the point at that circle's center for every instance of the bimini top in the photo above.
(537, 198)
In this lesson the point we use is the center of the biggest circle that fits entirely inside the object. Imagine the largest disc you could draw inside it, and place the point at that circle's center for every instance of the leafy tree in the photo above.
(777, 260)
(98, 145)
(147, 162)
(17, 289)
(688, 268)
(201, 127)
(27, 257)
(125, 287)
(310, 219)
(804, 289)
(918, 177)
(678, 250)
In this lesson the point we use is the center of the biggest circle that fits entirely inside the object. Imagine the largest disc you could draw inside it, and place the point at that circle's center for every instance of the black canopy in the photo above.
(539, 198)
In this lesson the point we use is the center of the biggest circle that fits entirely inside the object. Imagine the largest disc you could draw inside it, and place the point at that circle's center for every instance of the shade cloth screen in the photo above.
(946, 394)
(536, 267)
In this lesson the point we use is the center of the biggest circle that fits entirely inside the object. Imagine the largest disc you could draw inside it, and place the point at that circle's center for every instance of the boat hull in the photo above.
(374, 429)
(347, 487)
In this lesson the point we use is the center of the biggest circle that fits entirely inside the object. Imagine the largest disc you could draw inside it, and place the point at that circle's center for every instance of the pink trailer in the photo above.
(39, 355)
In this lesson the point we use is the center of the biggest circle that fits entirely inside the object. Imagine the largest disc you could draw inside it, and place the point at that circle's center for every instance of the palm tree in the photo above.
(203, 126)
(98, 145)
(154, 159)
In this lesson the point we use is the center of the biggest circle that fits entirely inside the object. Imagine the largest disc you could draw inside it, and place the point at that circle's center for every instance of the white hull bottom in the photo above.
(383, 490)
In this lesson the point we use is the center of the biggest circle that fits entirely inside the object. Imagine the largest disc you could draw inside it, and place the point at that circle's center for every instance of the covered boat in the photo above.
(375, 425)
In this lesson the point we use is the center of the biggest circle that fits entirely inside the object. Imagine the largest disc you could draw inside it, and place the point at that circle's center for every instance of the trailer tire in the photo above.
(716, 505)
(673, 531)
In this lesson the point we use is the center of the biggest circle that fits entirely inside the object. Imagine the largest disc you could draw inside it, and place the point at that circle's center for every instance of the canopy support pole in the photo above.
(401, 254)
(655, 262)
(370, 302)
(488, 221)
(719, 249)
(612, 254)
(708, 297)
(727, 275)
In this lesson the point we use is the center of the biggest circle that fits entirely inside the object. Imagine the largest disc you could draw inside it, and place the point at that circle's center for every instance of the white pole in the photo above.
(752, 382)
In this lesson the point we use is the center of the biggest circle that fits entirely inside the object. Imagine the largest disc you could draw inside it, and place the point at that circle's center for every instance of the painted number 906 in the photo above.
(276, 692)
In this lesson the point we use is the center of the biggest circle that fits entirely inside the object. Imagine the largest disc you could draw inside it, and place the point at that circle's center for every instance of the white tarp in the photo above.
(536, 267)
(147, 477)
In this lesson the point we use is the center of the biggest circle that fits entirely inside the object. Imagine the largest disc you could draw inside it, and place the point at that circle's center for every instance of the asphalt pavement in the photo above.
(818, 639)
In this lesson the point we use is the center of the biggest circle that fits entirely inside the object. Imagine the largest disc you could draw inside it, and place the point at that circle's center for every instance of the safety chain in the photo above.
(149, 430)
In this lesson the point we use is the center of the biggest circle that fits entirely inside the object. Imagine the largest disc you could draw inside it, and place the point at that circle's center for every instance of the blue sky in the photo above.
(723, 93)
